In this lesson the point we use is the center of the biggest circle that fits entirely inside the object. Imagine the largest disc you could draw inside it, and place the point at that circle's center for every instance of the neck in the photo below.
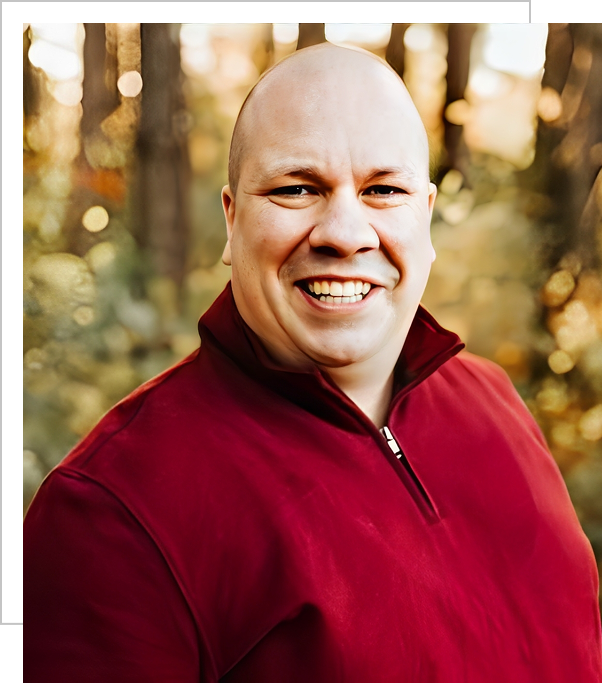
(369, 389)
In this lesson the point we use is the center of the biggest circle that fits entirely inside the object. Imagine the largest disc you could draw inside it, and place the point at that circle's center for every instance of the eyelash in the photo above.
(388, 190)
(385, 190)
(287, 190)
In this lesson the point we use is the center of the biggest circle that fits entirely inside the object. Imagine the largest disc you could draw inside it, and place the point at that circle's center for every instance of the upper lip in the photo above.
(342, 278)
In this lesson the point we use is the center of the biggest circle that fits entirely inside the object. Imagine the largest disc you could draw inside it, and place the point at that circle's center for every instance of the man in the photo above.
(243, 517)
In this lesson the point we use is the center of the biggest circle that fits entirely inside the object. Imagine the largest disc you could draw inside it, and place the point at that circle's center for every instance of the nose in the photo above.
(343, 228)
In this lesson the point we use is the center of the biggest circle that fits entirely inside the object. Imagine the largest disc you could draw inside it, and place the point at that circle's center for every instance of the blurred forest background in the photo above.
(125, 143)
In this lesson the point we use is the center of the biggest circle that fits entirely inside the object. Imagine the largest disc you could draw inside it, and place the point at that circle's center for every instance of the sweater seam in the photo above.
(199, 626)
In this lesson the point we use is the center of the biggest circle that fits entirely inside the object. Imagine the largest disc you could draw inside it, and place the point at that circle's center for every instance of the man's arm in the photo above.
(100, 601)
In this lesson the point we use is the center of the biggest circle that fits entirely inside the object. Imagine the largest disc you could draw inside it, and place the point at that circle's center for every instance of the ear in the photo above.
(431, 202)
(432, 197)
(228, 206)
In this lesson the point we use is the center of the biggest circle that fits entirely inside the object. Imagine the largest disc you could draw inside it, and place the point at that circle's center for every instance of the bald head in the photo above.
(351, 79)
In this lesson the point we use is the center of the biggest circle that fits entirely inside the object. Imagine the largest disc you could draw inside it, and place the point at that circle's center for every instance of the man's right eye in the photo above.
(293, 190)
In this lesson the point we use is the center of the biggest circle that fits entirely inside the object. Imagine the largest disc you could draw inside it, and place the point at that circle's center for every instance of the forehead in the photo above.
(333, 115)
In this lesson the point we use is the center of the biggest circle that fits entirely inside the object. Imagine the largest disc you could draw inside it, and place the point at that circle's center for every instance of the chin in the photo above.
(323, 354)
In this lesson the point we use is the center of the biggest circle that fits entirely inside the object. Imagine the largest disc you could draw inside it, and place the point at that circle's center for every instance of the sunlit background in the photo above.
(125, 137)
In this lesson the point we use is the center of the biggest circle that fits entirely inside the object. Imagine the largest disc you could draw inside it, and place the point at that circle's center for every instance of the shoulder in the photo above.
(478, 366)
(477, 371)
(481, 377)
(125, 415)
(489, 389)
(138, 444)
(163, 450)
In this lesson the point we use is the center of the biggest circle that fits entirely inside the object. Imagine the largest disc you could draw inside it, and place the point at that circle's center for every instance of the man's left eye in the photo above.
(383, 190)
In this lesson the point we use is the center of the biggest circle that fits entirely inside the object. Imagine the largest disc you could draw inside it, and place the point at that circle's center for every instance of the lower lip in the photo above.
(332, 307)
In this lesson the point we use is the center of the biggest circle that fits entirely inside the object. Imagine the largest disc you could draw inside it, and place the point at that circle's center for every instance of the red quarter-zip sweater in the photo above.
(233, 521)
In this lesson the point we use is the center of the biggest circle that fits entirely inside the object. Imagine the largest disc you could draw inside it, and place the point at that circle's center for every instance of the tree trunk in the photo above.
(559, 53)
(310, 34)
(263, 54)
(582, 147)
(31, 86)
(459, 38)
(163, 171)
(396, 51)
(100, 96)
(567, 160)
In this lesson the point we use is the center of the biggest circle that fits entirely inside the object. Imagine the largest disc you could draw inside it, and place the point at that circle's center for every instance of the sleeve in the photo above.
(100, 601)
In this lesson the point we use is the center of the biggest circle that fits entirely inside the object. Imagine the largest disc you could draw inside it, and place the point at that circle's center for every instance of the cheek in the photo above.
(269, 234)
(407, 238)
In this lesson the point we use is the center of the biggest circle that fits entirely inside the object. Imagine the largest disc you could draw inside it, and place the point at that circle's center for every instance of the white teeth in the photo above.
(349, 288)
(340, 299)
(335, 291)
(336, 288)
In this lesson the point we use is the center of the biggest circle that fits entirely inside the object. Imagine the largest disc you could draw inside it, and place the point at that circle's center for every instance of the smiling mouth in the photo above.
(336, 291)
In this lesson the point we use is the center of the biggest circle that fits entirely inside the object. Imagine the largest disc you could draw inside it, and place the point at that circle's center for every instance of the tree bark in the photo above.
(584, 140)
(459, 37)
(396, 51)
(566, 164)
(100, 96)
(559, 53)
(310, 34)
(163, 171)
(31, 87)
(263, 54)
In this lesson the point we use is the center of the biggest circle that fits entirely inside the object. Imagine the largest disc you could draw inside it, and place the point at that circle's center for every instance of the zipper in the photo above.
(418, 488)
(388, 444)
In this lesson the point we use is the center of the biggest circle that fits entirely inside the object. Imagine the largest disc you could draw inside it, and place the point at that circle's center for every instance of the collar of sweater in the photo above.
(427, 347)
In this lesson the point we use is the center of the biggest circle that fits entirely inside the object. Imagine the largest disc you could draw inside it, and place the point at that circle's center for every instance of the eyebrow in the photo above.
(290, 169)
(296, 170)
(406, 171)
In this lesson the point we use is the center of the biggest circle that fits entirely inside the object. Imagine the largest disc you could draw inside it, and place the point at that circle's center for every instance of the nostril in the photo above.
(328, 251)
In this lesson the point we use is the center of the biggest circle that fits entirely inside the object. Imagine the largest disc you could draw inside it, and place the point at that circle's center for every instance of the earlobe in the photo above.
(227, 255)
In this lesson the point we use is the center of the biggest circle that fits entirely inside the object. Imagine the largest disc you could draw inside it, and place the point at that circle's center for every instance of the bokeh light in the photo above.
(590, 424)
(560, 362)
(558, 288)
(56, 48)
(419, 37)
(130, 84)
(285, 33)
(517, 49)
(95, 219)
(549, 105)
(368, 35)
(101, 256)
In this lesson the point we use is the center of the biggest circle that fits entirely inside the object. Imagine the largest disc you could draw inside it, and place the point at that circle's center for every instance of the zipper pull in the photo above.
(393, 445)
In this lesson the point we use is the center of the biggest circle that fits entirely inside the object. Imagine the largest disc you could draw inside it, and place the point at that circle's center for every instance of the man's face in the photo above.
(329, 229)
